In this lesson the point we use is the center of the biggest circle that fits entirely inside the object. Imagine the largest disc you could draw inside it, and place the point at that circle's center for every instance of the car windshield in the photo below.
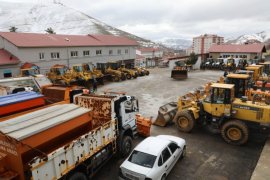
(142, 159)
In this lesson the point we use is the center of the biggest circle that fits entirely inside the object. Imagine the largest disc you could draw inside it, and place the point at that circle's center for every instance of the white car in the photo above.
(153, 158)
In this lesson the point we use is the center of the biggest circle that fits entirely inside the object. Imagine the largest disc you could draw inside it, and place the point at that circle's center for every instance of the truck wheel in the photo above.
(128, 76)
(235, 132)
(147, 73)
(126, 146)
(78, 176)
(184, 121)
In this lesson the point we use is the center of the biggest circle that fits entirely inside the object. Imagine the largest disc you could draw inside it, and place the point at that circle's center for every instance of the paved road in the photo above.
(208, 156)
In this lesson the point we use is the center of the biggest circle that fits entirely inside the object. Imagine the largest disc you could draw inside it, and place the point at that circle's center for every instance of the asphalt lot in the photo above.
(208, 156)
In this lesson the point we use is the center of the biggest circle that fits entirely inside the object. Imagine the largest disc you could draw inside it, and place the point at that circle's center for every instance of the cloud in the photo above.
(156, 19)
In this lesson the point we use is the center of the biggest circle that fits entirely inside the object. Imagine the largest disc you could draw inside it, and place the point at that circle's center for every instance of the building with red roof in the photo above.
(8, 64)
(45, 50)
(247, 51)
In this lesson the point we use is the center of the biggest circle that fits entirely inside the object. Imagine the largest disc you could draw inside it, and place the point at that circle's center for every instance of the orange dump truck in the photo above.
(69, 141)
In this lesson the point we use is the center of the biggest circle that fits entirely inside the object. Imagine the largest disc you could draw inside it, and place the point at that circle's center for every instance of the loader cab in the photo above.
(218, 102)
(257, 69)
(241, 83)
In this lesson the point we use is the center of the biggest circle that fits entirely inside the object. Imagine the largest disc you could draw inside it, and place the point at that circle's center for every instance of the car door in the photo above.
(167, 160)
(175, 151)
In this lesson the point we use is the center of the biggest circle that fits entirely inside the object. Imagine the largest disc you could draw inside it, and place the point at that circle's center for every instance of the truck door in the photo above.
(129, 109)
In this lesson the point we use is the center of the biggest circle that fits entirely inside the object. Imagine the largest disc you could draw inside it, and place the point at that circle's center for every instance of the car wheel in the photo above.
(163, 177)
(126, 146)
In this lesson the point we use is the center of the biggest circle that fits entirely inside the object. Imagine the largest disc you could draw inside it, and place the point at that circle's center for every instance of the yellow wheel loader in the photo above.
(29, 69)
(129, 72)
(60, 74)
(234, 118)
(110, 73)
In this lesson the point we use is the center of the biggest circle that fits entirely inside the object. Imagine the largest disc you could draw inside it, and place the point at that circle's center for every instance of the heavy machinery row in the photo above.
(85, 73)
(230, 63)
(233, 107)
(60, 132)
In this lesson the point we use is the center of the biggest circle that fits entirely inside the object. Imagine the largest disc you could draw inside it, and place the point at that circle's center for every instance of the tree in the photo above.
(13, 29)
(50, 30)
(192, 59)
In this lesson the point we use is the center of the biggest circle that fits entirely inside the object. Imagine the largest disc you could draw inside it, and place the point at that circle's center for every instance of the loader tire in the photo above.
(129, 76)
(116, 79)
(235, 132)
(147, 73)
(184, 121)
(77, 176)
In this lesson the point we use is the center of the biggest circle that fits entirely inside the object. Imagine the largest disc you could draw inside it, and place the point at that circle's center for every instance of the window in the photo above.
(142, 159)
(110, 52)
(160, 161)
(119, 51)
(173, 147)
(98, 52)
(7, 73)
(41, 56)
(55, 55)
(86, 53)
(126, 51)
(166, 154)
(74, 53)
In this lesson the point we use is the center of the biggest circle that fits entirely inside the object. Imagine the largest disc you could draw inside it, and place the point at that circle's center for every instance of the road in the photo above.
(208, 156)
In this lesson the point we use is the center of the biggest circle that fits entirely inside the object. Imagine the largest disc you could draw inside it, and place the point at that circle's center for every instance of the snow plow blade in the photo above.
(166, 114)
(179, 74)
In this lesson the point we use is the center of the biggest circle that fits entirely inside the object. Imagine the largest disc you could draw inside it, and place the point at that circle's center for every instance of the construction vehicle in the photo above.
(61, 74)
(242, 64)
(230, 64)
(89, 67)
(129, 72)
(110, 73)
(67, 141)
(209, 63)
(234, 118)
(180, 71)
(218, 64)
(29, 69)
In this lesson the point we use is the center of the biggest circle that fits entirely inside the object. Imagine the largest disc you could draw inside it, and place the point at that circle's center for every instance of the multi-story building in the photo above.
(202, 44)
(45, 50)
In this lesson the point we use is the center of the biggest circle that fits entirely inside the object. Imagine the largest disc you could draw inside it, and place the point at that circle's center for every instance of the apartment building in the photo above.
(202, 44)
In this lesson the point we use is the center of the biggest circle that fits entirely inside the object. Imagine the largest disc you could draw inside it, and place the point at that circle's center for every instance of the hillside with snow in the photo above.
(177, 44)
(28, 17)
(263, 36)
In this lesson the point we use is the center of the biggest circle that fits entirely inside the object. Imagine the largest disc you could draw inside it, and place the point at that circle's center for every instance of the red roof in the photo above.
(60, 40)
(149, 49)
(233, 48)
(7, 58)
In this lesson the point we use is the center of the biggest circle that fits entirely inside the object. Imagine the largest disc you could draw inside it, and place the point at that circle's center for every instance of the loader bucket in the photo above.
(166, 114)
(179, 74)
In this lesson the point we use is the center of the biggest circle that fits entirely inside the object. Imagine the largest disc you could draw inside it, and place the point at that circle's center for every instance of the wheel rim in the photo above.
(234, 134)
(183, 122)
(127, 147)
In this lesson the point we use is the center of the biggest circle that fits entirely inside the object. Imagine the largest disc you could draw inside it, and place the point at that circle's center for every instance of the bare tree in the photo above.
(13, 29)
(50, 30)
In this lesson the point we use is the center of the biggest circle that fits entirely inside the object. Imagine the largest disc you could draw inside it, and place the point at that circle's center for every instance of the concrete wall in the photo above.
(32, 55)
(15, 70)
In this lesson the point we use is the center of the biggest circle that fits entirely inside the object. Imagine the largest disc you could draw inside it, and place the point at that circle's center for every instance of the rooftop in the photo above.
(60, 40)
(237, 48)
(149, 49)
(6, 58)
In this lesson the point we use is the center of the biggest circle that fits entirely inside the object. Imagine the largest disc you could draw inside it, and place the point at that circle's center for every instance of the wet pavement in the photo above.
(208, 156)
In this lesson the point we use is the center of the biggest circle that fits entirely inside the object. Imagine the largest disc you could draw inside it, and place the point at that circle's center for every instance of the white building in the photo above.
(202, 44)
(150, 53)
(45, 50)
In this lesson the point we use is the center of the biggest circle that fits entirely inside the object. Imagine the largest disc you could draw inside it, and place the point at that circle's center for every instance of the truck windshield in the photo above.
(142, 159)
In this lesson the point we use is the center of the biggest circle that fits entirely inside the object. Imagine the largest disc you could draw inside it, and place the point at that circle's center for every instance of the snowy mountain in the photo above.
(177, 44)
(257, 37)
(28, 17)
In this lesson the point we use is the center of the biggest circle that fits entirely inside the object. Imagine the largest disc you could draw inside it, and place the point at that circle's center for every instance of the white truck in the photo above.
(67, 141)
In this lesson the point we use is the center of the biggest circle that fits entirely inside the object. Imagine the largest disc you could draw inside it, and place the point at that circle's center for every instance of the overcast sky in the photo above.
(157, 19)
